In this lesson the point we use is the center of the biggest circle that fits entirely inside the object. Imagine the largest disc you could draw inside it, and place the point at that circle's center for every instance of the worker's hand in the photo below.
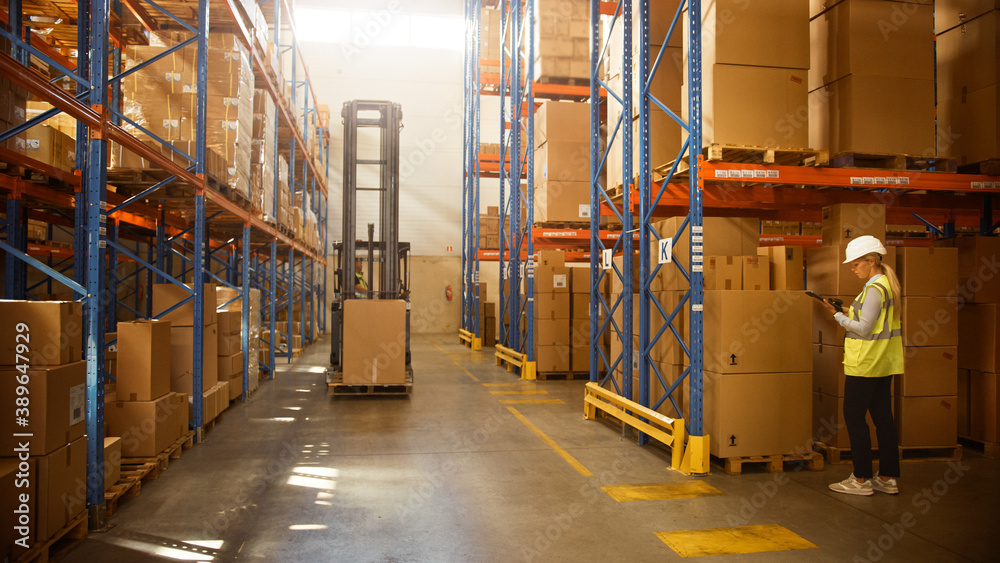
(830, 307)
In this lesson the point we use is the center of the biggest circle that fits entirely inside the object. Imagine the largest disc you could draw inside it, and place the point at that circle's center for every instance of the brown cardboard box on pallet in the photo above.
(62, 476)
(58, 395)
(928, 272)
(978, 275)
(148, 427)
(978, 331)
(54, 329)
(144, 360)
(723, 272)
(112, 461)
(182, 358)
(553, 358)
(562, 121)
(166, 295)
(757, 414)
(374, 349)
(929, 321)
(984, 400)
(552, 306)
(927, 421)
(928, 371)
(562, 202)
(844, 222)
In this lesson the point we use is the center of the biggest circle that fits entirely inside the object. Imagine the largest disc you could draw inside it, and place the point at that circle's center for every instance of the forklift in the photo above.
(385, 261)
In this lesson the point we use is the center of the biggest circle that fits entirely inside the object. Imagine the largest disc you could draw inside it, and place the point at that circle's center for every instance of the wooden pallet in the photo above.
(842, 456)
(988, 167)
(812, 461)
(745, 154)
(74, 531)
(564, 81)
(557, 375)
(569, 225)
(162, 460)
(126, 487)
(337, 388)
(894, 162)
(991, 450)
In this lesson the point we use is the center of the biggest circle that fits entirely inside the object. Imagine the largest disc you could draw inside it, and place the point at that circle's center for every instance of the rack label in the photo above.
(606, 257)
(721, 173)
(666, 250)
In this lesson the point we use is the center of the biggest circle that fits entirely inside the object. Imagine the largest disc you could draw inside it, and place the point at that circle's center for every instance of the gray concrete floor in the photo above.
(450, 474)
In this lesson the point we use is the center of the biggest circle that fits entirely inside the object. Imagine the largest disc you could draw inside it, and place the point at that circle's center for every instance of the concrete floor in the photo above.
(451, 474)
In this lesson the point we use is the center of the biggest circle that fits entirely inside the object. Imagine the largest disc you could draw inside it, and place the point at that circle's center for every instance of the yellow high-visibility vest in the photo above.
(359, 278)
(880, 353)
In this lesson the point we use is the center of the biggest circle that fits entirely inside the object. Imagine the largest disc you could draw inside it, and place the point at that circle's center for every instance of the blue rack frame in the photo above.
(471, 170)
(101, 231)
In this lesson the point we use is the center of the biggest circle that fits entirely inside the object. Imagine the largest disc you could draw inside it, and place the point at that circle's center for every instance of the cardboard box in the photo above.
(230, 344)
(182, 358)
(144, 360)
(580, 280)
(166, 295)
(552, 332)
(12, 488)
(929, 321)
(978, 330)
(112, 461)
(978, 268)
(230, 322)
(551, 306)
(927, 421)
(731, 33)
(562, 121)
(928, 371)
(853, 38)
(563, 161)
(873, 114)
(827, 275)
(580, 344)
(562, 202)
(828, 422)
(951, 13)
(968, 127)
(147, 427)
(785, 264)
(844, 222)
(723, 236)
(57, 401)
(966, 58)
(757, 332)
(927, 272)
(756, 273)
(552, 358)
(221, 397)
(984, 397)
(209, 405)
(53, 328)
(61, 487)
(580, 306)
(723, 272)
(550, 258)
(551, 279)
(235, 388)
(964, 402)
(757, 414)
(374, 341)
(230, 367)
(826, 329)
(828, 370)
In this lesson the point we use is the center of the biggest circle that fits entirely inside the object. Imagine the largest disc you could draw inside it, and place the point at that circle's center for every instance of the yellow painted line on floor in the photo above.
(731, 541)
(551, 443)
(661, 491)
(518, 384)
(532, 402)
(454, 361)
(529, 392)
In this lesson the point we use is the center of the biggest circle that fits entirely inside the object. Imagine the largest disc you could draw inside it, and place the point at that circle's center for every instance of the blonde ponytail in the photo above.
(897, 293)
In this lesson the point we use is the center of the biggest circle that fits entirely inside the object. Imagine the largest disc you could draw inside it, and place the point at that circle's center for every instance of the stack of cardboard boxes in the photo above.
(579, 318)
(552, 312)
(228, 300)
(829, 277)
(665, 133)
(262, 141)
(926, 394)
(871, 81)
(489, 229)
(968, 38)
(231, 352)
(284, 217)
(562, 153)
(487, 318)
(978, 297)
(40, 359)
(215, 394)
(374, 341)
(562, 40)
(491, 40)
(13, 112)
(754, 84)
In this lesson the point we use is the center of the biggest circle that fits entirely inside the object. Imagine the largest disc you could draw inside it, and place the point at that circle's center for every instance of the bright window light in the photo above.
(322, 25)
(361, 28)
(437, 32)
(307, 527)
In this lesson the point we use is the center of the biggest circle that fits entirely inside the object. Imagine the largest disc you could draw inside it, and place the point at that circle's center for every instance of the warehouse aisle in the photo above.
(477, 466)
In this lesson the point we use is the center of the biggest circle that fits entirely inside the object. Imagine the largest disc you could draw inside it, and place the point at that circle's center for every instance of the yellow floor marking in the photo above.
(532, 402)
(730, 541)
(531, 392)
(661, 491)
(454, 361)
(563, 453)
(518, 384)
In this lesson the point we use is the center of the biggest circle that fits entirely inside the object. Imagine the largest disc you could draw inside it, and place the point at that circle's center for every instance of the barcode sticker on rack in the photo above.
(857, 180)
(747, 173)
(760, 173)
(774, 174)
(721, 173)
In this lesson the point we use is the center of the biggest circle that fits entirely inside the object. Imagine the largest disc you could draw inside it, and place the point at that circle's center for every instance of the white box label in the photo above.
(77, 403)
(559, 281)
(585, 210)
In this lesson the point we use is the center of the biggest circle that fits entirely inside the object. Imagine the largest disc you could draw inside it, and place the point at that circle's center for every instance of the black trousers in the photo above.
(871, 394)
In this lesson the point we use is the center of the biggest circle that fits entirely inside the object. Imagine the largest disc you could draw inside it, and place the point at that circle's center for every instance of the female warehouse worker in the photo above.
(873, 353)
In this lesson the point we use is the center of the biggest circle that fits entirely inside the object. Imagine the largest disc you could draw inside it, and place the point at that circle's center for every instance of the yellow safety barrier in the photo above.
(466, 337)
(512, 359)
(669, 431)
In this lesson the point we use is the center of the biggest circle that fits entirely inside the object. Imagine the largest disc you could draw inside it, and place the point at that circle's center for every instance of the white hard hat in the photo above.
(863, 246)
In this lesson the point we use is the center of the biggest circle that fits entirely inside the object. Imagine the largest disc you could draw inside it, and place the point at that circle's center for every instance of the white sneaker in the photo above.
(888, 487)
(851, 486)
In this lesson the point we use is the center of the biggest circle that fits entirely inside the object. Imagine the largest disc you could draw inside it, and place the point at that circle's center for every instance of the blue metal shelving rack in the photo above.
(470, 177)
(244, 253)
